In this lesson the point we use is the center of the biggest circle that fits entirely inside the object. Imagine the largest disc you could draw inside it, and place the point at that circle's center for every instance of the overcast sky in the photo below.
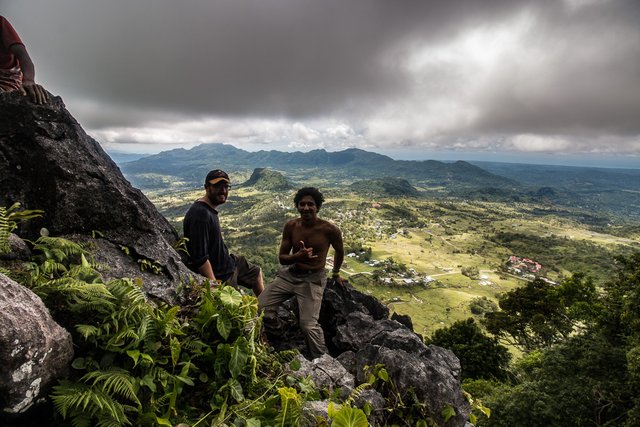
(417, 78)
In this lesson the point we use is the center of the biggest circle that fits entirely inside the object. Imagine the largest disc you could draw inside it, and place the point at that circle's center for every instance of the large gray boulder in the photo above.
(50, 163)
(34, 349)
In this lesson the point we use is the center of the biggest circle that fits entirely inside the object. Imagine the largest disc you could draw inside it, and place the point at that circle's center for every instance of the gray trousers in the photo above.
(308, 288)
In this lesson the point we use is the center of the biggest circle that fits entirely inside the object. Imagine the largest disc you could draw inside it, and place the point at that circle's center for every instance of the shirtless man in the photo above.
(304, 248)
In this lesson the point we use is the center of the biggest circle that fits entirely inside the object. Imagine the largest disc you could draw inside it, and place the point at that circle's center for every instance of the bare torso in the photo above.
(318, 236)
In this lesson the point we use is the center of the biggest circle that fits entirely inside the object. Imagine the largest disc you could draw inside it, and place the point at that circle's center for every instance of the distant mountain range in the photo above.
(189, 166)
(557, 187)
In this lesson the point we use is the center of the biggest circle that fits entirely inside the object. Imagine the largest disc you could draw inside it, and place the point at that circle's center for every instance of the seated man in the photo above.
(208, 254)
(17, 71)
(304, 248)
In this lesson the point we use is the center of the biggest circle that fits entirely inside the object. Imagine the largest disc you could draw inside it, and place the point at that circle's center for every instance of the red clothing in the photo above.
(8, 37)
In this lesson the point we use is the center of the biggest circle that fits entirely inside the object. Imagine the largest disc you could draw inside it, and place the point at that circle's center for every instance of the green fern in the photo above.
(9, 219)
(59, 249)
(114, 381)
(290, 407)
(353, 396)
(79, 399)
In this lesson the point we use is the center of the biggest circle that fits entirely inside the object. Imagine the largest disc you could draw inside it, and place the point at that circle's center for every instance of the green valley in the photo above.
(411, 251)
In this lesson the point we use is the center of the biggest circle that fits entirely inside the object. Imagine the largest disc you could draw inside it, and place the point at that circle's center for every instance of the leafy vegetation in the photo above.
(481, 356)
(203, 363)
(9, 219)
(580, 370)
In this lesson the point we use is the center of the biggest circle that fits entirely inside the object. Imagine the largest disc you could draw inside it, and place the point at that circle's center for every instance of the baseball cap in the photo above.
(215, 176)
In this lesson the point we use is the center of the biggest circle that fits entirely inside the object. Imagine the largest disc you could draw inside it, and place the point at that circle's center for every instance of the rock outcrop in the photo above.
(267, 180)
(359, 333)
(48, 162)
(34, 349)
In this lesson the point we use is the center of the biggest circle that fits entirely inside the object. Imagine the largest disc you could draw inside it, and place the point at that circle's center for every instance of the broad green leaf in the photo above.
(253, 422)
(448, 412)
(230, 297)
(147, 380)
(185, 380)
(147, 358)
(79, 363)
(384, 375)
(224, 326)
(163, 421)
(135, 355)
(236, 390)
(238, 359)
(485, 410)
(349, 417)
(332, 410)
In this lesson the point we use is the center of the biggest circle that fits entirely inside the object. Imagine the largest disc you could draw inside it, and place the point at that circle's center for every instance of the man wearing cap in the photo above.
(208, 255)
(304, 248)
(17, 71)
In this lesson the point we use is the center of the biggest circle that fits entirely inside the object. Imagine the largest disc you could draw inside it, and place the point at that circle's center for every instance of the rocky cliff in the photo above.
(48, 162)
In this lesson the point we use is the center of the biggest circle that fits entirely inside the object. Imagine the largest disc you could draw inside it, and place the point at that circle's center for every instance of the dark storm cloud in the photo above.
(291, 57)
(391, 71)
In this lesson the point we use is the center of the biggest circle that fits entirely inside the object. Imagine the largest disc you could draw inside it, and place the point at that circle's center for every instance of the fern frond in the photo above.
(114, 381)
(119, 287)
(77, 294)
(81, 420)
(118, 341)
(87, 330)
(136, 297)
(355, 394)
(58, 248)
(6, 227)
(77, 399)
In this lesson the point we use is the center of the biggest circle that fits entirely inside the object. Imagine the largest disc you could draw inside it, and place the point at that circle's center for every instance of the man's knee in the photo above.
(310, 326)
(271, 321)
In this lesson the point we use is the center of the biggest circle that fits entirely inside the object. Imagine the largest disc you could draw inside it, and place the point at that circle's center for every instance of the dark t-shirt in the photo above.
(202, 228)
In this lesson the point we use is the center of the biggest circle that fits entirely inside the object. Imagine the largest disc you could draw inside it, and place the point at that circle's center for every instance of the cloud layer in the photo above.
(522, 76)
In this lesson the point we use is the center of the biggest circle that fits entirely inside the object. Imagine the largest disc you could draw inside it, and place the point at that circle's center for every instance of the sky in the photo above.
(532, 81)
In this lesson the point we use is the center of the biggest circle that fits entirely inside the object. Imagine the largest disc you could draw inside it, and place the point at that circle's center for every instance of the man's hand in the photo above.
(305, 253)
(339, 280)
(35, 91)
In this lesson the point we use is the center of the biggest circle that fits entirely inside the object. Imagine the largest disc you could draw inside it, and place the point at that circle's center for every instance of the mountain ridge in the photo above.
(191, 165)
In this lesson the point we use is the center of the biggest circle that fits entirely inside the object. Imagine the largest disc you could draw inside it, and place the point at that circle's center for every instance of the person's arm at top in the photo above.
(29, 86)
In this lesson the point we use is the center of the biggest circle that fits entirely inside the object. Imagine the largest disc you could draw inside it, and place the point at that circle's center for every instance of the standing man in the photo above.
(304, 248)
(17, 71)
(208, 255)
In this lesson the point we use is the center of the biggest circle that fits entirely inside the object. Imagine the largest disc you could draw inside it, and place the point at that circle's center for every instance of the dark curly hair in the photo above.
(309, 191)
